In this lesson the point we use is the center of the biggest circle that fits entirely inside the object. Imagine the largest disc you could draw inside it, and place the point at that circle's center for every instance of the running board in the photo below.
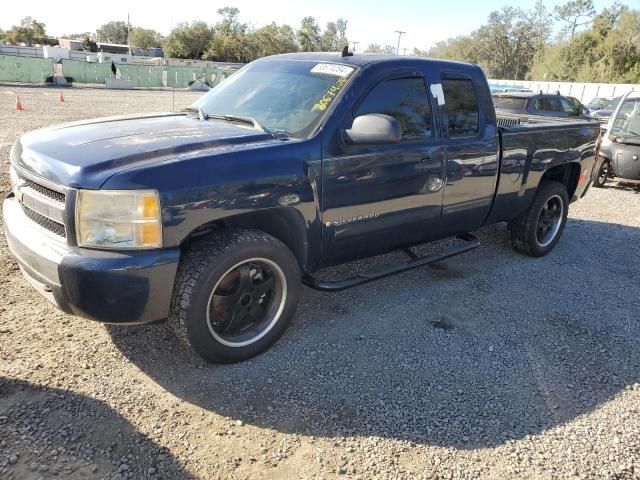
(471, 242)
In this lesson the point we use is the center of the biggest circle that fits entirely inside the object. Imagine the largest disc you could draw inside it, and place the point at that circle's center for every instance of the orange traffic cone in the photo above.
(61, 98)
(18, 103)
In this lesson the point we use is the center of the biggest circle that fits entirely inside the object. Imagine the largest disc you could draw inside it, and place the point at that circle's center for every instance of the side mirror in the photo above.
(374, 129)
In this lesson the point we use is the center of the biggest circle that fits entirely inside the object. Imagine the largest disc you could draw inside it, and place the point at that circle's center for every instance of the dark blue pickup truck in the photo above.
(214, 217)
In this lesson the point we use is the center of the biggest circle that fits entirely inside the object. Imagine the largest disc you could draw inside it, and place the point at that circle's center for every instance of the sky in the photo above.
(424, 21)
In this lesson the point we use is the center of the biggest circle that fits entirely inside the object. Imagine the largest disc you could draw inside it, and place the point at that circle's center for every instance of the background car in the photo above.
(597, 103)
(583, 108)
(619, 144)
(605, 113)
(539, 104)
(507, 88)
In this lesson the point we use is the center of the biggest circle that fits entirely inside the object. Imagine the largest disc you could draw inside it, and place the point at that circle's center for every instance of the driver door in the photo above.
(379, 197)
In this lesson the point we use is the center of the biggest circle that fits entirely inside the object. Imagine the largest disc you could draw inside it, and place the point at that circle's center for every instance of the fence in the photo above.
(84, 72)
(36, 70)
(584, 92)
(25, 69)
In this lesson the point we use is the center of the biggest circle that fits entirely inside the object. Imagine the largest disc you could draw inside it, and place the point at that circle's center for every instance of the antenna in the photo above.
(346, 52)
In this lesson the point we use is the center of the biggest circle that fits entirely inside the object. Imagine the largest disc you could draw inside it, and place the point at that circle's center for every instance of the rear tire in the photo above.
(601, 172)
(537, 231)
(236, 293)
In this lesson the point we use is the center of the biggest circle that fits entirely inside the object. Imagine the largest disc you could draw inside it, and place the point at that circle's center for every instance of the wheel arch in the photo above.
(284, 223)
(568, 174)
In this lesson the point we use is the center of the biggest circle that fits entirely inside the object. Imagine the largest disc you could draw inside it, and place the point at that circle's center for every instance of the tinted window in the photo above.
(548, 104)
(569, 108)
(404, 99)
(509, 103)
(461, 105)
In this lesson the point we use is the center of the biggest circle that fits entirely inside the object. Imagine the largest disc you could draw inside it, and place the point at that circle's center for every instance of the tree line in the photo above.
(228, 40)
(519, 44)
(572, 42)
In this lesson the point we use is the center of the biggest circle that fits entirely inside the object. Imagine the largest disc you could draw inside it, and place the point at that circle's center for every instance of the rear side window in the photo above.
(404, 99)
(461, 105)
(517, 104)
(548, 104)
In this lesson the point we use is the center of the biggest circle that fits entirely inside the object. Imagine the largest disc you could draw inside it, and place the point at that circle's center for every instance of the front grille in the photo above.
(45, 222)
(42, 205)
(47, 192)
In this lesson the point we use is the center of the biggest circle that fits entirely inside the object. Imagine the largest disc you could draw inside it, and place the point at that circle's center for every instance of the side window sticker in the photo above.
(437, 92)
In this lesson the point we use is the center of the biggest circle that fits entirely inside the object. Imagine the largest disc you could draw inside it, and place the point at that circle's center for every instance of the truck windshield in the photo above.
(627, 122)
(284, 96)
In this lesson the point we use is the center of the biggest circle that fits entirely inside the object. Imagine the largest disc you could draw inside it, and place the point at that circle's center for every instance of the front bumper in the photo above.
(113, 287)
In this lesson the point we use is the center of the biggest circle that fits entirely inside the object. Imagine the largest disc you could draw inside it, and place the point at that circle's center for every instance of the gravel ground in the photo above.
(487, 365)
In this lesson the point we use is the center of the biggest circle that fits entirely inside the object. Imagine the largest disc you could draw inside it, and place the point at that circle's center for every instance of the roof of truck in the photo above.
(360, 59)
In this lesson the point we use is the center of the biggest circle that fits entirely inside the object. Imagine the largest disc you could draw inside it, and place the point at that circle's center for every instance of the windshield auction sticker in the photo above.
(332, 69)
(331, 93)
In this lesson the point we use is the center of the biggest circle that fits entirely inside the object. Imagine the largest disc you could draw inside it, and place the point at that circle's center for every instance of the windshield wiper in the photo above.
(276, 133)
(228, 117)
(201, 113)
(239, 119)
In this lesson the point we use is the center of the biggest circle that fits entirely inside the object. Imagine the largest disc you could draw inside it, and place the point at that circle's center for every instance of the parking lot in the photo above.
(487, 365)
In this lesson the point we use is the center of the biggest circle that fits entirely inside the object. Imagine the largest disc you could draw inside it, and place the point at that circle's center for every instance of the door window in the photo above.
(461, 105)
(404, 99)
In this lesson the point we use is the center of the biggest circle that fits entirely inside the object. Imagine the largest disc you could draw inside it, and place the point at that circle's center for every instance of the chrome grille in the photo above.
(55, 227)
(47, 192)
(41, 204)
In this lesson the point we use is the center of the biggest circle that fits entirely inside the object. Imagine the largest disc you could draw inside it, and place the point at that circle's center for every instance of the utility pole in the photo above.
(354, 45)
(400, 33)
(128, 33)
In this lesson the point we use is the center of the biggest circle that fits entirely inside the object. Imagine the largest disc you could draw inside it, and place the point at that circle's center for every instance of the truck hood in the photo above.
(86, 154)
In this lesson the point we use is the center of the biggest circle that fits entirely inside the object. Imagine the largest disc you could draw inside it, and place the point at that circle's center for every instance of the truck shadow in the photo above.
(59, 433)
(618, 184)
(501, 347)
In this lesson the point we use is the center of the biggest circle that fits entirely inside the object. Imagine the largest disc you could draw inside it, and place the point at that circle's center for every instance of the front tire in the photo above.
(236, 293)
(601, 172)
(537, 231)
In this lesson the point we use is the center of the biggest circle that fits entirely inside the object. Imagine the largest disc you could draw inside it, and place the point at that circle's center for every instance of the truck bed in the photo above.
(530, 147)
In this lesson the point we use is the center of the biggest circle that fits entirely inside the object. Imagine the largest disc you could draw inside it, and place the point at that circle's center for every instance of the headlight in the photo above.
(118, 219)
